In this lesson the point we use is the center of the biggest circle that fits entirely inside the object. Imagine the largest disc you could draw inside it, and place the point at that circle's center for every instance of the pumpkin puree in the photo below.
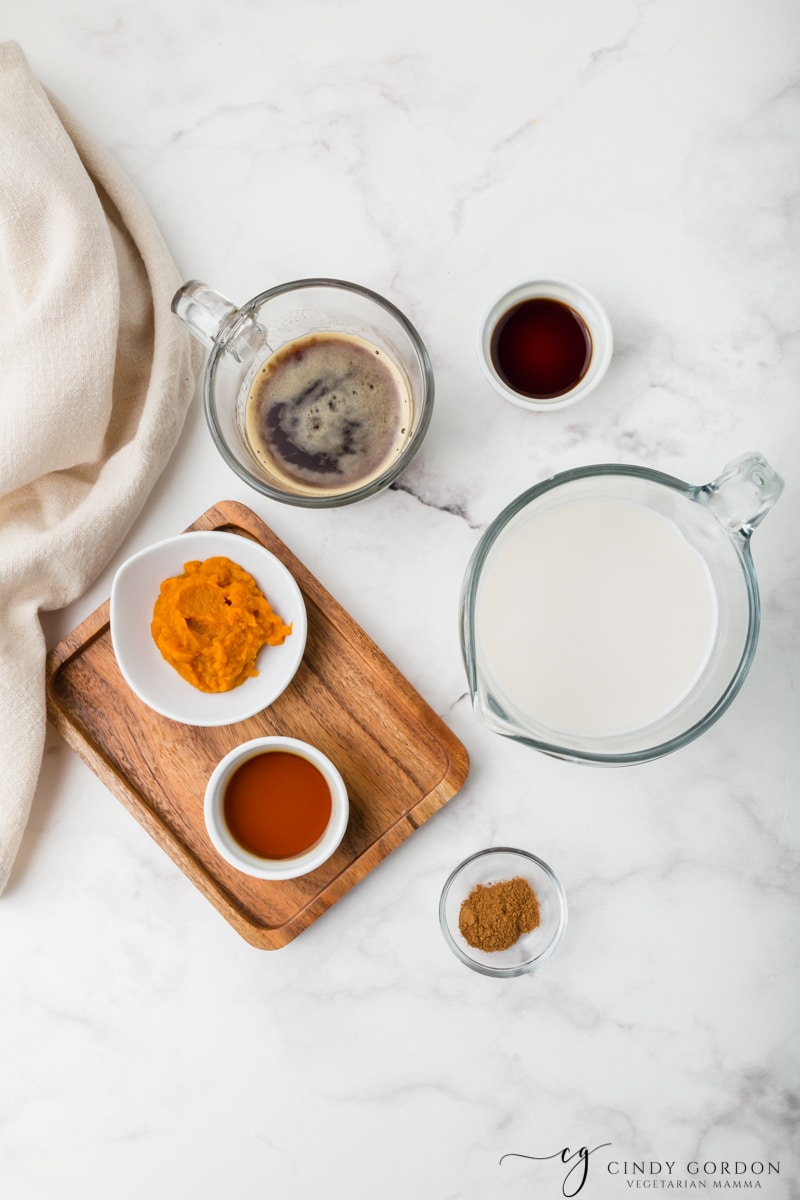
(210, 623)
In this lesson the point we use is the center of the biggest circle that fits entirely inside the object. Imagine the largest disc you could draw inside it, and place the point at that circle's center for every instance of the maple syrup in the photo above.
(277, 804)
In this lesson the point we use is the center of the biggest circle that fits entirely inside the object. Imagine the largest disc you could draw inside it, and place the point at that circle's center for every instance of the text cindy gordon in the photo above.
(695, 1174)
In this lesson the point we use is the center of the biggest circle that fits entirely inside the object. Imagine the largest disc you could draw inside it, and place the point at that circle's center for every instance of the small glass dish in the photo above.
(491, 866)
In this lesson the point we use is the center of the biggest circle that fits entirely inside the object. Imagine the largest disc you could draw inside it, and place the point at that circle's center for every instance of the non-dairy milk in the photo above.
(595, 617)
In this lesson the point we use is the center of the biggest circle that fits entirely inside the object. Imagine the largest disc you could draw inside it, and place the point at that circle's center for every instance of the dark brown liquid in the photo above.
(328, 412)
(541, 348)
(277, 804)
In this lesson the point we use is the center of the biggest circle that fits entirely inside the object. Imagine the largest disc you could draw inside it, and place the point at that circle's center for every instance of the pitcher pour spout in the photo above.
(742, 494)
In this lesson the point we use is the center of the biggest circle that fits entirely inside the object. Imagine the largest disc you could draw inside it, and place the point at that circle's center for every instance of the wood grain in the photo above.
(399, 760)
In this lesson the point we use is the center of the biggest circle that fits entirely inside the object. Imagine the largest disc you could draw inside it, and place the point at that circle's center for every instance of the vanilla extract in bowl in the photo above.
(545, 344)
(541, 348)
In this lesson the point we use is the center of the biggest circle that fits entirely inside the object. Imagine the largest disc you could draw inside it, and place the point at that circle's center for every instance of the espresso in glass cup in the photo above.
(317, 393)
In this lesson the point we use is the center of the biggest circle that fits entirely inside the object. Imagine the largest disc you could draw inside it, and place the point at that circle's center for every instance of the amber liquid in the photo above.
(541, 348)
(277, 804)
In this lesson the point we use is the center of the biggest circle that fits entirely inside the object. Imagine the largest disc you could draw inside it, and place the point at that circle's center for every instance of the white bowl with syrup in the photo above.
(610, 614)
(269, 810)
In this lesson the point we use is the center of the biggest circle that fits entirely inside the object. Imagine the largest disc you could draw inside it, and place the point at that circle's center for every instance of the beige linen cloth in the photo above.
(96, 376)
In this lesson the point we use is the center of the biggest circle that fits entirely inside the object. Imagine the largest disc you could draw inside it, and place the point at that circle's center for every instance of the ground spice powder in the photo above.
(495, 915)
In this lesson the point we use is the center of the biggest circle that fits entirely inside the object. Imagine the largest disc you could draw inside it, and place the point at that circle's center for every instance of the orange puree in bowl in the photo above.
(210, 623)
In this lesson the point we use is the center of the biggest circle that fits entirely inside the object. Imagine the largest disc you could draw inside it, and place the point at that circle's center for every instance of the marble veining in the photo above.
(440, 153)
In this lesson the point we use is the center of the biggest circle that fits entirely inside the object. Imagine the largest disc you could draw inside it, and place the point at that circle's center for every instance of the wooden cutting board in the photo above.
(399, 760)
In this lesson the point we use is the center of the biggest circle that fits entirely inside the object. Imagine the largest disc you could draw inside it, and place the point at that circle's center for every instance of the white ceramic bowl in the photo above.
(282, 868)
(553, 287)
(133, 596)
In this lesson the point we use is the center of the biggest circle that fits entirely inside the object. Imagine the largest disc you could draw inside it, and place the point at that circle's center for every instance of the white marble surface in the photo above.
(439, 152)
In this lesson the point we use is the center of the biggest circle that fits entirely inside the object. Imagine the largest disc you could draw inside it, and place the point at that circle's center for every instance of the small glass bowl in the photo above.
(492, 866)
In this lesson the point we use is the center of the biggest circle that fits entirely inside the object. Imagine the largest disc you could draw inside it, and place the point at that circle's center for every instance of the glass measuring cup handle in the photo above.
(742, 495)
(203, 311)
(215, 320)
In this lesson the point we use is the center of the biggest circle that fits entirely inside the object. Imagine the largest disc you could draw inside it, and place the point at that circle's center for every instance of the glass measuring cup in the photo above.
(243, 341)
(705, 528)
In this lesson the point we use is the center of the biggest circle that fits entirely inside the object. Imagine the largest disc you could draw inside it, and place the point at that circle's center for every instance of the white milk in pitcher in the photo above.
(596, 617)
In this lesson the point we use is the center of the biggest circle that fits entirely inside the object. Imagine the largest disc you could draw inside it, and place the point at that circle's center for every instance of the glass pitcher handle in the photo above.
(742, 495)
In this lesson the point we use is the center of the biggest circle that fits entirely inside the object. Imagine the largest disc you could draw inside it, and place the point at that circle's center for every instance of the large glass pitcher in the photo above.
(611, 613)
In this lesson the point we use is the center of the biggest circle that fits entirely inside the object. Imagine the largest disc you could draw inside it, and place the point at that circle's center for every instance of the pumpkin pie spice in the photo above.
(495, 915)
